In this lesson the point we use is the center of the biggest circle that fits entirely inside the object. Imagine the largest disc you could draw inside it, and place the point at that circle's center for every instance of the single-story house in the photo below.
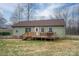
(56, 26)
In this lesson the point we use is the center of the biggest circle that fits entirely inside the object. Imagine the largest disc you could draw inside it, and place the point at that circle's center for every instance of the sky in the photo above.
(6, 9)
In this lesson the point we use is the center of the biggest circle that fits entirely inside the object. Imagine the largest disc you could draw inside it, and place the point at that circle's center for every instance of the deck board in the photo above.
(45, 36)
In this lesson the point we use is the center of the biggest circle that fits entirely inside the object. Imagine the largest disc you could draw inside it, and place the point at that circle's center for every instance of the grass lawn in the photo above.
(39, 48)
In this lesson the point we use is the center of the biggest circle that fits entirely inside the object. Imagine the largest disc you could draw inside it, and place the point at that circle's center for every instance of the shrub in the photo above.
(5, 33)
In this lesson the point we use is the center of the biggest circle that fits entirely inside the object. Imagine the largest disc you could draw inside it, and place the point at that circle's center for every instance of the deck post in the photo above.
(35, 38)
(54, 38)
(41, 39)
(50, 39)
(44, 39)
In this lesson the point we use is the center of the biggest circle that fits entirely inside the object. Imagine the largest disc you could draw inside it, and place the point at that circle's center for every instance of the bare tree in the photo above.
(71, 16)
(2, 20)
(22, 12)
(17, 14)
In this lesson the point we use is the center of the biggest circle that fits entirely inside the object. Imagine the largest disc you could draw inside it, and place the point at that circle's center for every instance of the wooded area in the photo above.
(68, 13)
(30, 11)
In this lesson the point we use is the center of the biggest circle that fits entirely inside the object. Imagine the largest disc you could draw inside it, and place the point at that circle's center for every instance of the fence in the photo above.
(9, 37)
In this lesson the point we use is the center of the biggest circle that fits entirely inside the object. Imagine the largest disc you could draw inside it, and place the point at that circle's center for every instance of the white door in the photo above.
(37, 30)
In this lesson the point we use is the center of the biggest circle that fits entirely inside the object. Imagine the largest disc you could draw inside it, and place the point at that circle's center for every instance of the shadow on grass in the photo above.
(42, 39)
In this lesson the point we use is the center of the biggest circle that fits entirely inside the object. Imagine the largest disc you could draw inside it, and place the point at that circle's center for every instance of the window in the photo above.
(28, 30)
(50, 29)
(42, 29)
(16, 31)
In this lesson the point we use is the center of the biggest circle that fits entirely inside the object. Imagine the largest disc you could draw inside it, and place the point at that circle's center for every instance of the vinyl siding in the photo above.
(19, 32)
(60, 31)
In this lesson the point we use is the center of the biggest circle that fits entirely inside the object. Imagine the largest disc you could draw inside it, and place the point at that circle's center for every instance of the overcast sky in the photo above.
(45, 9)
(7, 8)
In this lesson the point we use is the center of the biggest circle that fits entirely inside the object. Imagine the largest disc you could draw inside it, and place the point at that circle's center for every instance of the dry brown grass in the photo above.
(43, 48)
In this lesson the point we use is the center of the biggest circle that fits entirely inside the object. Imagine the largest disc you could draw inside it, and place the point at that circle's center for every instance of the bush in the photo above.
(5, 33)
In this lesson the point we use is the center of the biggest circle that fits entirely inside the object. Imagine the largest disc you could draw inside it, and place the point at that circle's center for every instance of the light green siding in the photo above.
(20, 31)
(60, 31)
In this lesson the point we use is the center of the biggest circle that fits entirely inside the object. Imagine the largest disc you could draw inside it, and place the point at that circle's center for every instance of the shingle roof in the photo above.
(53, 22)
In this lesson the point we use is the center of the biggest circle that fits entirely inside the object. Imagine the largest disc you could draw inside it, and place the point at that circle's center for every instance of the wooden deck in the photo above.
(45, 35)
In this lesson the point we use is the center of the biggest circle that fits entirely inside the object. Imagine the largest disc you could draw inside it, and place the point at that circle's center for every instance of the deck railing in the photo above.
(39, 34)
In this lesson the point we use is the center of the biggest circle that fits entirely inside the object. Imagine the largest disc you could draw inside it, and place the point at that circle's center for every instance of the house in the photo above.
(56, 26)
